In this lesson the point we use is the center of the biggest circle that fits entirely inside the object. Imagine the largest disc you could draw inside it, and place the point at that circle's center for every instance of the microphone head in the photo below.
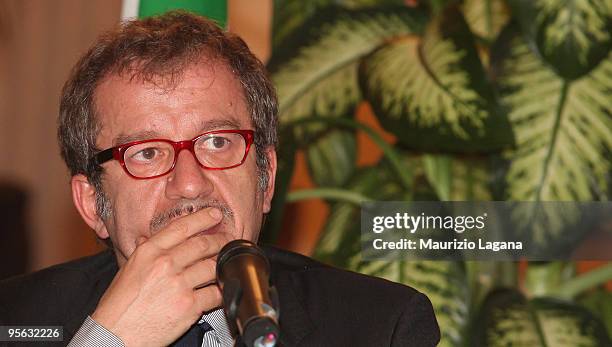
(238, 247)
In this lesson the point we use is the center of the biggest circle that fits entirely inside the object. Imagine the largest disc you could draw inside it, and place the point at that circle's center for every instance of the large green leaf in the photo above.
(289, 15)
(573, 36)
(332, 157)
(444, 282)
(563, 134)
(315, 71)
(508, 319)
(432, 92)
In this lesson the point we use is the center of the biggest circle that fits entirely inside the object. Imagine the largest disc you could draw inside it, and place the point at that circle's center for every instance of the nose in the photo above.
(188, 180)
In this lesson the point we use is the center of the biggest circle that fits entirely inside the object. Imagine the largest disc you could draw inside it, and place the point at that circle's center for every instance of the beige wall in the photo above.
(44, 39)
(39, 42)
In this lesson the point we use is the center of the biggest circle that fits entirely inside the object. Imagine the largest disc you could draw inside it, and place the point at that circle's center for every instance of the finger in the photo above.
(184, 227)
(201, 274)
(207, 298)
(199, 247)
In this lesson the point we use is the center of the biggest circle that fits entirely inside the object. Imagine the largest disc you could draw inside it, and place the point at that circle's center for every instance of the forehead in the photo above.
(203, 97)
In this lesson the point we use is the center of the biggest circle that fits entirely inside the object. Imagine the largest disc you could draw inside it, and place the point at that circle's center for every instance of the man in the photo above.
(168, 126)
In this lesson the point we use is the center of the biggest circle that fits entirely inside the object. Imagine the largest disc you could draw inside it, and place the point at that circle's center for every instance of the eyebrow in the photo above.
(214, 124)
(138, 136)
(209, 125)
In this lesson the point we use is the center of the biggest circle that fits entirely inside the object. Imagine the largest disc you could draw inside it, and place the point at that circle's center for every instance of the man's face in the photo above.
(207, 98)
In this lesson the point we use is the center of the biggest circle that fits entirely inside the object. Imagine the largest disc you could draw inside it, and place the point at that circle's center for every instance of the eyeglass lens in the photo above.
(154, 158)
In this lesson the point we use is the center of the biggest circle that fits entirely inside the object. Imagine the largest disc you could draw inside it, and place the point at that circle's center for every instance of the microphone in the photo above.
(249, 301)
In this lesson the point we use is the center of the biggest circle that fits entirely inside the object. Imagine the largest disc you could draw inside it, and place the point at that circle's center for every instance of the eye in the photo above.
(147, 154)
(219, 142)
(216, 143)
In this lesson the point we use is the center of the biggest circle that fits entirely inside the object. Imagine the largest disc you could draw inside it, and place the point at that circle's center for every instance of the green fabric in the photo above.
(213, 9)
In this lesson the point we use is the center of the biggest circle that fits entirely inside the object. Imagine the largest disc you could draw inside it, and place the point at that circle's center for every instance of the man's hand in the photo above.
(152, 299)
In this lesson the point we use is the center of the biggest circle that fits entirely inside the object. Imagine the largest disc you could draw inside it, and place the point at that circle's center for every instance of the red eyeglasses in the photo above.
(214, 150)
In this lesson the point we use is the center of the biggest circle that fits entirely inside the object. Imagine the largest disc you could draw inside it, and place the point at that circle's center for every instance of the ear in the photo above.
(269, 192)
(84, 198)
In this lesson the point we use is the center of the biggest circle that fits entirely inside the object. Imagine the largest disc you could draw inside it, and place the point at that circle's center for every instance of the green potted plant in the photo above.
(488, 100)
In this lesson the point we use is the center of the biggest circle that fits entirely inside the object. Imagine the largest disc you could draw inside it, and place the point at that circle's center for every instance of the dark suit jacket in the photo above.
(319, 305)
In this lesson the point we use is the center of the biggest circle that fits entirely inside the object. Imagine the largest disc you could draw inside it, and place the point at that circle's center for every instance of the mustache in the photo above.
(184, 208)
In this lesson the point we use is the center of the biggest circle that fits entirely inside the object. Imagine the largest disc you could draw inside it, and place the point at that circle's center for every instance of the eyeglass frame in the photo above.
(117, 152)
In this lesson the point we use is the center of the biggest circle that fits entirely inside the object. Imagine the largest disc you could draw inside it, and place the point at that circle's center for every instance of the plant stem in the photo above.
(571, 288)
(388, 150)
(327, 193)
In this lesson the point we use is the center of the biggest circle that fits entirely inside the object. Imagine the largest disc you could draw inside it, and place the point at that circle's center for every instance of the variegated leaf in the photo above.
(444, 282)
(573, 36)
(316, 71)
(289, 15)
(563, 134)
(432, 93)
(508, 319)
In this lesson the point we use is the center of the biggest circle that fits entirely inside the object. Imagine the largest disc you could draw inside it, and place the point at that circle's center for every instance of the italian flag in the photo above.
(213, 9)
